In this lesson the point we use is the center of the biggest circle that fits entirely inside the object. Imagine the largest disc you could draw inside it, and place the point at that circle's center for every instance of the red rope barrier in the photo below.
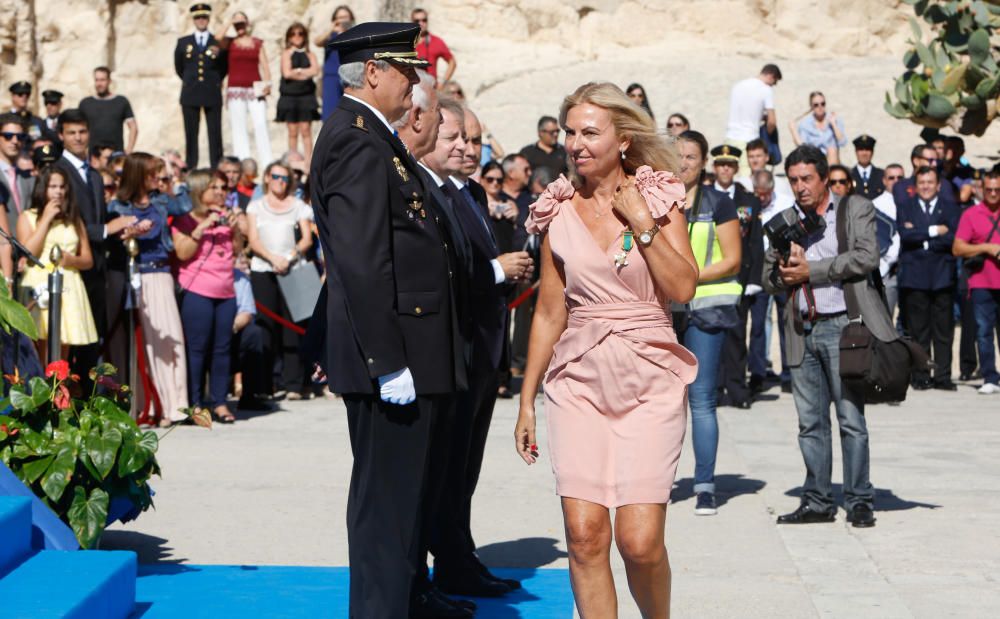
(291, 326)
(152, 399)
(524, 296)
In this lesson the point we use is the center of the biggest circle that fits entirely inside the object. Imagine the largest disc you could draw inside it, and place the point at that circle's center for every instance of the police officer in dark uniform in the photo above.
(53, 106)
(20, 93)
(393, 348)
(732, 385)
(867, 178)
(201, 64)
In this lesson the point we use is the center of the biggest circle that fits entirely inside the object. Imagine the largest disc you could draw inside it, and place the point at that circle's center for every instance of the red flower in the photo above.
(59, 369)
(109, 383)
(62, 398)
(8, 431)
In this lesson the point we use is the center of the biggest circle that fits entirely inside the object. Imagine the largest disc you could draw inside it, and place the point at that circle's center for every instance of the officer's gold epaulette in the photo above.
(359, 122)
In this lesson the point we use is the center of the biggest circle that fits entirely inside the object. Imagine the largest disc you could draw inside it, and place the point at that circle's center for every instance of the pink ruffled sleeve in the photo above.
(547, 205)
(662, 190)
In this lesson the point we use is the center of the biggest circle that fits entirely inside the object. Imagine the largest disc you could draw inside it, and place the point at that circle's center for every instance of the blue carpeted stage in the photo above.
(192, 591)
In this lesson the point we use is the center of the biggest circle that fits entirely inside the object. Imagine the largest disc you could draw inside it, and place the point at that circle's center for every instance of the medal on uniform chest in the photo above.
(621, 258)
(416, 207)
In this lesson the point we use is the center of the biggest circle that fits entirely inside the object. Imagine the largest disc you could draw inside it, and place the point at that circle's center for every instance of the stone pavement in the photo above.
(272, 488)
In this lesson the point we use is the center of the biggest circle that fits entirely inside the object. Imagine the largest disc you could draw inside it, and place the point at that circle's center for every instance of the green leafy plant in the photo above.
(953, 79)
(13, 315)
(77, 455)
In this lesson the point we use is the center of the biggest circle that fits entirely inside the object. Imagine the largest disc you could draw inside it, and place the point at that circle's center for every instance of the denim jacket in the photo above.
(165, 205)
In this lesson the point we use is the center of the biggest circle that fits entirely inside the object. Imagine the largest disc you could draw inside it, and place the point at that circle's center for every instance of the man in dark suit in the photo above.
(393, 350)
(457, 569)
(927, 224)
(105, 293)
(733, 388)
(13, 138)
(867, 178)
(922, 155)
(201, 64)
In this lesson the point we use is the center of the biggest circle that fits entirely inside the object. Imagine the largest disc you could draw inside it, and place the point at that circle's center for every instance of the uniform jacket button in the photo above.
(371, 361)
(418, 310)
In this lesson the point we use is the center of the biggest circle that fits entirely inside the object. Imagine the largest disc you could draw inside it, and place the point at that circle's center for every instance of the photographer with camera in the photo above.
(824, 276)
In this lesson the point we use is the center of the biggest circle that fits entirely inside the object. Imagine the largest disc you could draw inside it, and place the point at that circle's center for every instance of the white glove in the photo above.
(397, 388)
(752, 289)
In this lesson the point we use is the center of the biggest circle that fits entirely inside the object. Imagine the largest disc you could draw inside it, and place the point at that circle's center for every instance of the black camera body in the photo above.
(787, 227)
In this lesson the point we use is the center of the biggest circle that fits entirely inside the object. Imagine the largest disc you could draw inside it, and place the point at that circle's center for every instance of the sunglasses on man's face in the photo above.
(10, 136)
(280, 177)
(839, 181)
(893, 178)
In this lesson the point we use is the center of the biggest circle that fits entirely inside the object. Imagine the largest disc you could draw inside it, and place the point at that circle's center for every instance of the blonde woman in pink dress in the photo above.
(615, 252)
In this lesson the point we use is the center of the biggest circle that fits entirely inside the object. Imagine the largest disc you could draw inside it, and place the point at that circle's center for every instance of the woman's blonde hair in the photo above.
(198, 183)
(646, 146)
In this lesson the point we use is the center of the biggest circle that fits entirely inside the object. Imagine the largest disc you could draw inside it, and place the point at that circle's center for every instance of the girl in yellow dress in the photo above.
(53, 219)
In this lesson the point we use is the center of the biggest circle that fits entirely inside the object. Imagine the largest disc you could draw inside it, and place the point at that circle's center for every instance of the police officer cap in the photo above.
(51, 96)
(864, 142)
(45, 155)
(393, 42)
(724, 153)
(20, 88)
(201, 9)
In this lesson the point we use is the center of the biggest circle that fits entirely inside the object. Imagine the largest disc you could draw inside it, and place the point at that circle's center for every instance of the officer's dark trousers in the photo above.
(213, 122)
(931, 320)
(451, 537)
(733, 368)
(391, 445)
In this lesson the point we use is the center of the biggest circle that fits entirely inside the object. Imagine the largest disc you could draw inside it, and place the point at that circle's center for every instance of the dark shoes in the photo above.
(806, 514)
(469, 582)
(861, 516)
(970, 376)
(756, 384)
(946, 385)
(921, 385)
(705, 505)
(431, 604)
(786, 386)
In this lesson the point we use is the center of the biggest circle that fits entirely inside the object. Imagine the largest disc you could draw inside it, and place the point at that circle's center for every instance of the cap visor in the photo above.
(418, 63)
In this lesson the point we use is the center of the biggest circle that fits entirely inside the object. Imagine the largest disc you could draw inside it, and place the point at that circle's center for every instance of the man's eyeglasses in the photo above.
(894, 178)
(839, 181)
(492, 179)
(10, 136)
(280, 177)
(991, 189)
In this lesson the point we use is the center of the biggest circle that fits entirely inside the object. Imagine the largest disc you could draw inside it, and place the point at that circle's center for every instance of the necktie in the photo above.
(864, 175)
(86, 174)
(12, 181)
(927, 207)
(479, 215)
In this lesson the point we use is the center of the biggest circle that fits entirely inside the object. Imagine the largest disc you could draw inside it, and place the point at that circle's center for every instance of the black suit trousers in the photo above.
(451, 537)
(213, 122)
(391, 446)
(931, 323)
(733, 365)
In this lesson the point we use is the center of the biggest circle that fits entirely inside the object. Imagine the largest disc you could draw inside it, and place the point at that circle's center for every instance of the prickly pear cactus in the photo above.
(952, 80)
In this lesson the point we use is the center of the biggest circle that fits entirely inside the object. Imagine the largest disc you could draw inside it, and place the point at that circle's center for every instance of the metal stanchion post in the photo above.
(132, 247)
(55, 304)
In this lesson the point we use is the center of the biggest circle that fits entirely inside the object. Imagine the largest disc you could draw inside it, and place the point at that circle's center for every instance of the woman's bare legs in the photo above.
(639, 533)
(588, 539)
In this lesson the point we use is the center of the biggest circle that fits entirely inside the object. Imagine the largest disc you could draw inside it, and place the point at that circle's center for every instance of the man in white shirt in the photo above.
(750, 101)
(886, 206)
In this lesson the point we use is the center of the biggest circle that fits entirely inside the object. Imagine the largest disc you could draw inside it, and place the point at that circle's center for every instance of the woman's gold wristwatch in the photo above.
(645, 237)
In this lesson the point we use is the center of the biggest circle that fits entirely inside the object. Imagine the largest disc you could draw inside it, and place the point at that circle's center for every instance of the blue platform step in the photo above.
(15, 527)
(59, 583)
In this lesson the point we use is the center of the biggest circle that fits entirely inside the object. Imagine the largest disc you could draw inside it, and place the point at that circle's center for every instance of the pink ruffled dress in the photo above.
(616, 386)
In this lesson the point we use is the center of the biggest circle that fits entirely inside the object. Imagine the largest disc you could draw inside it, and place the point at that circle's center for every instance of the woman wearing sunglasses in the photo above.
(820, 128)
(273, 223)
(637, 94)
(677, 124)
(840, 181)
(297, 104)
(248, 83)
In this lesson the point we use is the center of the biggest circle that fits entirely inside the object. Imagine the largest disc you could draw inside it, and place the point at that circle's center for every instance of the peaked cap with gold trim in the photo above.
(389, 41)
(721, 154)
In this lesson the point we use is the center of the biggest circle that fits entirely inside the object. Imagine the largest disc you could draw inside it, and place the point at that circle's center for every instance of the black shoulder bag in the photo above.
(976, 263)
(879, 370)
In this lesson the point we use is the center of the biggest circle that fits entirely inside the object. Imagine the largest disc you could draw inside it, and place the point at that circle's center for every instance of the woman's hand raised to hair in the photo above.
(631, 206)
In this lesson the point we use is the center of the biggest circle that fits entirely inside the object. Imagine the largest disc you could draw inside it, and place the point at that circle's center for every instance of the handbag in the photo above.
(976, 263)
(878, 370)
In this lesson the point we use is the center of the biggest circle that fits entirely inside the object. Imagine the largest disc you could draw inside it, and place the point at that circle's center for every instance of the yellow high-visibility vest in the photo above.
(706, 249)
